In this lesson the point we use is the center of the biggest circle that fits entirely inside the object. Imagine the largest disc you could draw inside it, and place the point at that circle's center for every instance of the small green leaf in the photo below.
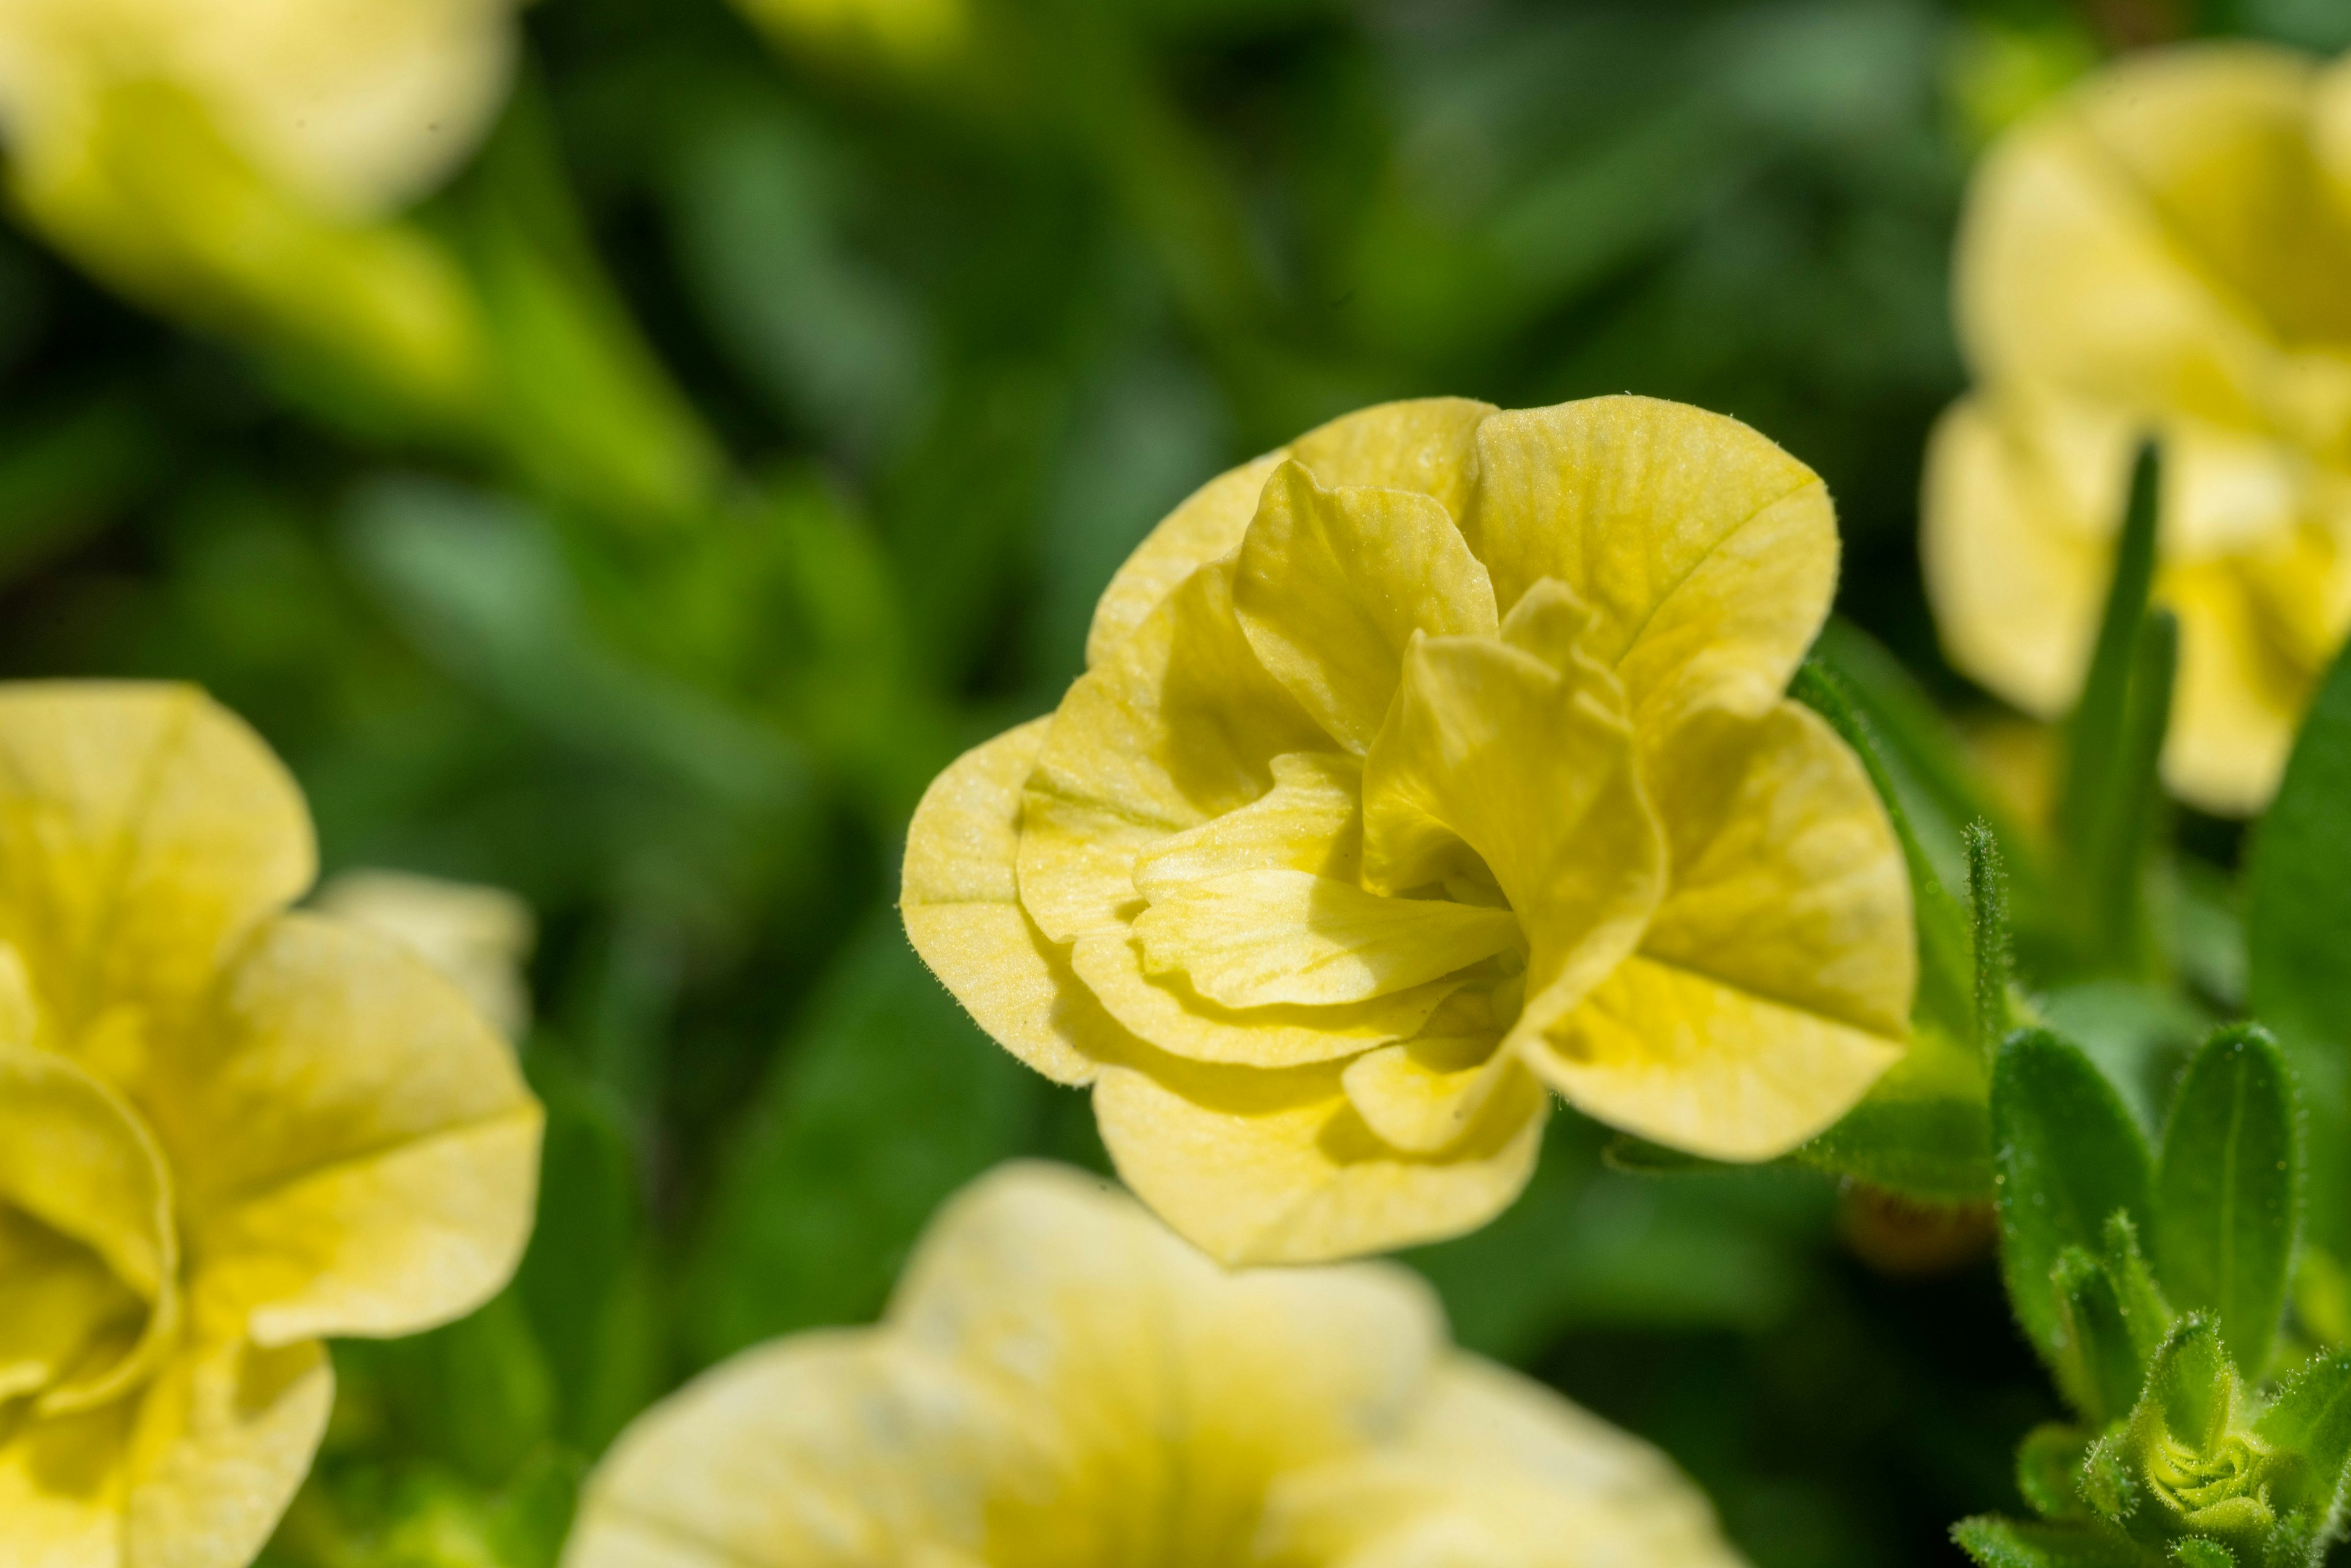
(2310, 1419)
(2068, 1155)
(2226, 1190)
(1997, 1543)
(2046, 1462)
(2100, 1367)
(2094, 735)
(1987, 901)
(2297, 932)
(2145, 1313)
(2198, 1553)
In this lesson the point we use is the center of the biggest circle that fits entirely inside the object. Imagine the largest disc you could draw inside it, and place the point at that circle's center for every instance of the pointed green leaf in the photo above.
(2226, 1190)
(1997, 1543)
(2068, 1155)
(2145, 1313)
(2094, 737)
(2097, 1364)
(1988, 902)
(2297, 933)
(2311, 1420)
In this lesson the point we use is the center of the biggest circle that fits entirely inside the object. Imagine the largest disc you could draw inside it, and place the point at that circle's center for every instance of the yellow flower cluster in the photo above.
(226, 1131)
(2162, 253)
(229, 160)
(1060, 1382)
(1437, 757)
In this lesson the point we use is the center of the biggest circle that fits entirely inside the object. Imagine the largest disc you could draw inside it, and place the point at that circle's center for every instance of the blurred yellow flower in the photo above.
(478, 937)
(1061, 1382)
(1437, 756)
(232, 161)
(2163, 252)
(226, 1131)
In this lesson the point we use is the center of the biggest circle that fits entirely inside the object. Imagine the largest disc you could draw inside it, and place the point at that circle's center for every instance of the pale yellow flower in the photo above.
(2162, 252)
(226, 1131)
(478, 936)
(1060, 1384)
(232, 161)
(1436, 758)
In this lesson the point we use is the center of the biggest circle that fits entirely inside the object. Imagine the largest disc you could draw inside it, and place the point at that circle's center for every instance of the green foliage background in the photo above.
(962, 342)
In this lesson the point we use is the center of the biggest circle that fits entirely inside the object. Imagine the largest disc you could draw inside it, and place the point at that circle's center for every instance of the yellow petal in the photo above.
(1707, 554)
(1310, 821)
(360, 1153)
(2331, 133)
(1424, 445)
(1424, 1095)
(1265, 1167)
(143, 833)
(1531, 767)
(479, 936)
(95, 1198)
(1496, 1468)
(1686, 1060)
(1179, 725)
(1258, 939)
(2017, 583)
(1787, 880)
(961, 899)
(834, 1447)
(2238, 698)
(1209, 524)
(225, 1438)
(1166, 1012)
(1160, 1393)
(1331, 585)
(62, 1486)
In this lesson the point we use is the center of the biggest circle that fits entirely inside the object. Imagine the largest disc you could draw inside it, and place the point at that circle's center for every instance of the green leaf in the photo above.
(2226, 1190)
(1998, 1542)
(2298, 930)
(2103, 1368)
(2068, 1155)
(2094, 735)
(886, 1100)
(1988, 902)
(2311, 1420)
(2198, 1553)
(2046, 1462)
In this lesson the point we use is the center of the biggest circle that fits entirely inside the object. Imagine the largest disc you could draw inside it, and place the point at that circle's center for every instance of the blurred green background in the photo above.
(951, 338)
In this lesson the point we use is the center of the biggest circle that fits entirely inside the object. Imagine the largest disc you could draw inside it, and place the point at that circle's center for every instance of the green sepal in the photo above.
(2309, 1425)
(2228, 1205)
(2069, 1154)
(2115, 1319)
(1996, 1543)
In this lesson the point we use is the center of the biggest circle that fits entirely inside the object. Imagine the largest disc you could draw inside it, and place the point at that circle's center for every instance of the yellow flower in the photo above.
(2163, 252)
(1437, 756)
(478, 937)
(232, 161)
(1061, 1383)
(226, 1131)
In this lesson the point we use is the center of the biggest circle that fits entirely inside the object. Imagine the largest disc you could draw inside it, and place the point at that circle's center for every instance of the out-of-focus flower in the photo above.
(1059, 1381)
(905, 33)
(234, 161)
(1433, 757)
(478, 937)
(2161, 253)
(227, 1131)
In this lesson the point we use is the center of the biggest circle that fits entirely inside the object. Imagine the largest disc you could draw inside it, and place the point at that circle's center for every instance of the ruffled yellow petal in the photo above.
(1684, 1060)
(1707, 554)
(1266, 1167)
(1179, 725)
(1258, 939)
(2017, 591)
(1425, 1096)
(1787, 880)
(1495, 1468)
(840, 1449)
(961, 900)
(85, 1199)
(358, 1154)
(1159, 1392)
(143, 833)
(1426, 445)
(62, 1486)
(1165, 1010)
(224, 1438)
(1331, 586)
(2237, 697)
(1310, 821)
(1529, 766)
(2331, 133)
